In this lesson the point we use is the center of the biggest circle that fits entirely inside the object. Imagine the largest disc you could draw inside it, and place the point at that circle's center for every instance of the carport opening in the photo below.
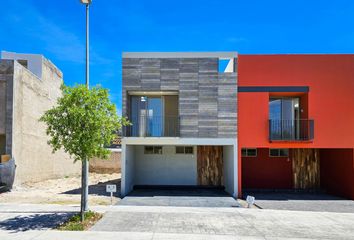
(316, 171)
(183, 169)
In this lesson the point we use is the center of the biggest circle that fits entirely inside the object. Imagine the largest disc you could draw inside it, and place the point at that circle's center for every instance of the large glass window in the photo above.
(146, 116)
(284, 115)
(154, 116)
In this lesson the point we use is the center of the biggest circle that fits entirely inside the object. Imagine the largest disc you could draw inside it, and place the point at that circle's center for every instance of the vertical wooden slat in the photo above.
(306, 168)
(210, 165)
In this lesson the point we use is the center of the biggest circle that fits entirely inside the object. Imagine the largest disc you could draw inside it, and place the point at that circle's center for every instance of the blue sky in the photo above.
(56, 29)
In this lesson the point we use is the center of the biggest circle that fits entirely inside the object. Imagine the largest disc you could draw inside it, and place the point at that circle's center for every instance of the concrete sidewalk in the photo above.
(60, 235)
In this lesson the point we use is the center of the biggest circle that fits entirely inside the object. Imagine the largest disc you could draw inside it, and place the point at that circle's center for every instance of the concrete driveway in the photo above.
(318, 202)
(179, 198)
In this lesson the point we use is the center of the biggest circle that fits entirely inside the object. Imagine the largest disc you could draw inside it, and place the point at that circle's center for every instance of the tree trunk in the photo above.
(84, 189)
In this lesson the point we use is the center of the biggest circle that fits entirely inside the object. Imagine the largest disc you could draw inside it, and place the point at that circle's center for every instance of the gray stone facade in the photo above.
(207, 97)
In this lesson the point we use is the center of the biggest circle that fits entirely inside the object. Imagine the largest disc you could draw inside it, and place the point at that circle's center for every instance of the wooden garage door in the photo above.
(210, 165)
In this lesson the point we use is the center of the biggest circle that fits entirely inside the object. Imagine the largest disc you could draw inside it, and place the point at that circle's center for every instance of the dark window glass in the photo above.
(274, 152)
(179, 150)
(188, 150)
(283, 152)
(149, 150)
(158, 150)
(184, 150)
(153, 150)
(279, 152)
(249, 152)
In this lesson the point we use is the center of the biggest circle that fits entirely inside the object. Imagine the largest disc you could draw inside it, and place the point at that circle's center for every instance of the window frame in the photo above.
(247, 152)
(184, 150)
(279, 149)
(155, 150)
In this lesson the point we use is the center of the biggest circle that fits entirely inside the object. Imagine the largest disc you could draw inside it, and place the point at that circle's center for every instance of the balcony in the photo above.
(291, 130)
(153, 126)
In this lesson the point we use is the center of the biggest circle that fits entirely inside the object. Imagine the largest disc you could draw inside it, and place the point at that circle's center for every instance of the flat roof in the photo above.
(226, 55)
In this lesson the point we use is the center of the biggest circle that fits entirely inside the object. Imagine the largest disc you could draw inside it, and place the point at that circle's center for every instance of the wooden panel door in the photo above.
(210, 165)
(306, 168)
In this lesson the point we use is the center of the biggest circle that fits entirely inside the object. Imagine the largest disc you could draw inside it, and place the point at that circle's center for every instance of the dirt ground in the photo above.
(65, 191)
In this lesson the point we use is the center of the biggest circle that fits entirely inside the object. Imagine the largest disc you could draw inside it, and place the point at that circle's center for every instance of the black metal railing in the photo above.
(291, 130)
(152, 126)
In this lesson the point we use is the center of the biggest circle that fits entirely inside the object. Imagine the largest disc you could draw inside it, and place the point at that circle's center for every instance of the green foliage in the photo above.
(75, 224)
(83, 122)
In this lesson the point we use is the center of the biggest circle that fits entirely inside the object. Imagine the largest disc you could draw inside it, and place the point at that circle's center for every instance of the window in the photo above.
(249, 152)
(278, 152)
(153, 150)
(184, 150)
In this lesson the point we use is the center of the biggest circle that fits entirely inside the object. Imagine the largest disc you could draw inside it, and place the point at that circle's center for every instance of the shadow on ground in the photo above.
(35, 221)
(98, 189)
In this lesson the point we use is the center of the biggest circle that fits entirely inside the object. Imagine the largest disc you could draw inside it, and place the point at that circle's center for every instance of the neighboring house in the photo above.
(30, 85)
(266, 122)
(183, 113)
(296, 122)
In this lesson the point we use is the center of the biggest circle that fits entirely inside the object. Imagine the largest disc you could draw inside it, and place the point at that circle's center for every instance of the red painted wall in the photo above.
(337, 171)
(266, 172)
(330, 99)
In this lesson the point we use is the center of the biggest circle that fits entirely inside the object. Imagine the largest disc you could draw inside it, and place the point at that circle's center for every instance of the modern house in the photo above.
(262, 122)
(183, 113)
(30, 85)
(296, 122)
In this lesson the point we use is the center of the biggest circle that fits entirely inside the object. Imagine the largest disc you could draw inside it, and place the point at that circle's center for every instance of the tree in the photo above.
(82, 123)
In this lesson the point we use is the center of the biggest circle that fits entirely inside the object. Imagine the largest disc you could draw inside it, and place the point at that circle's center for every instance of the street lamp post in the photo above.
(84, 170)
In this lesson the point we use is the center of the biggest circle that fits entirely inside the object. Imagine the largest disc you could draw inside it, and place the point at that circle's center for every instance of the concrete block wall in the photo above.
(111, 165)
(207, 97)
(27, 98)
